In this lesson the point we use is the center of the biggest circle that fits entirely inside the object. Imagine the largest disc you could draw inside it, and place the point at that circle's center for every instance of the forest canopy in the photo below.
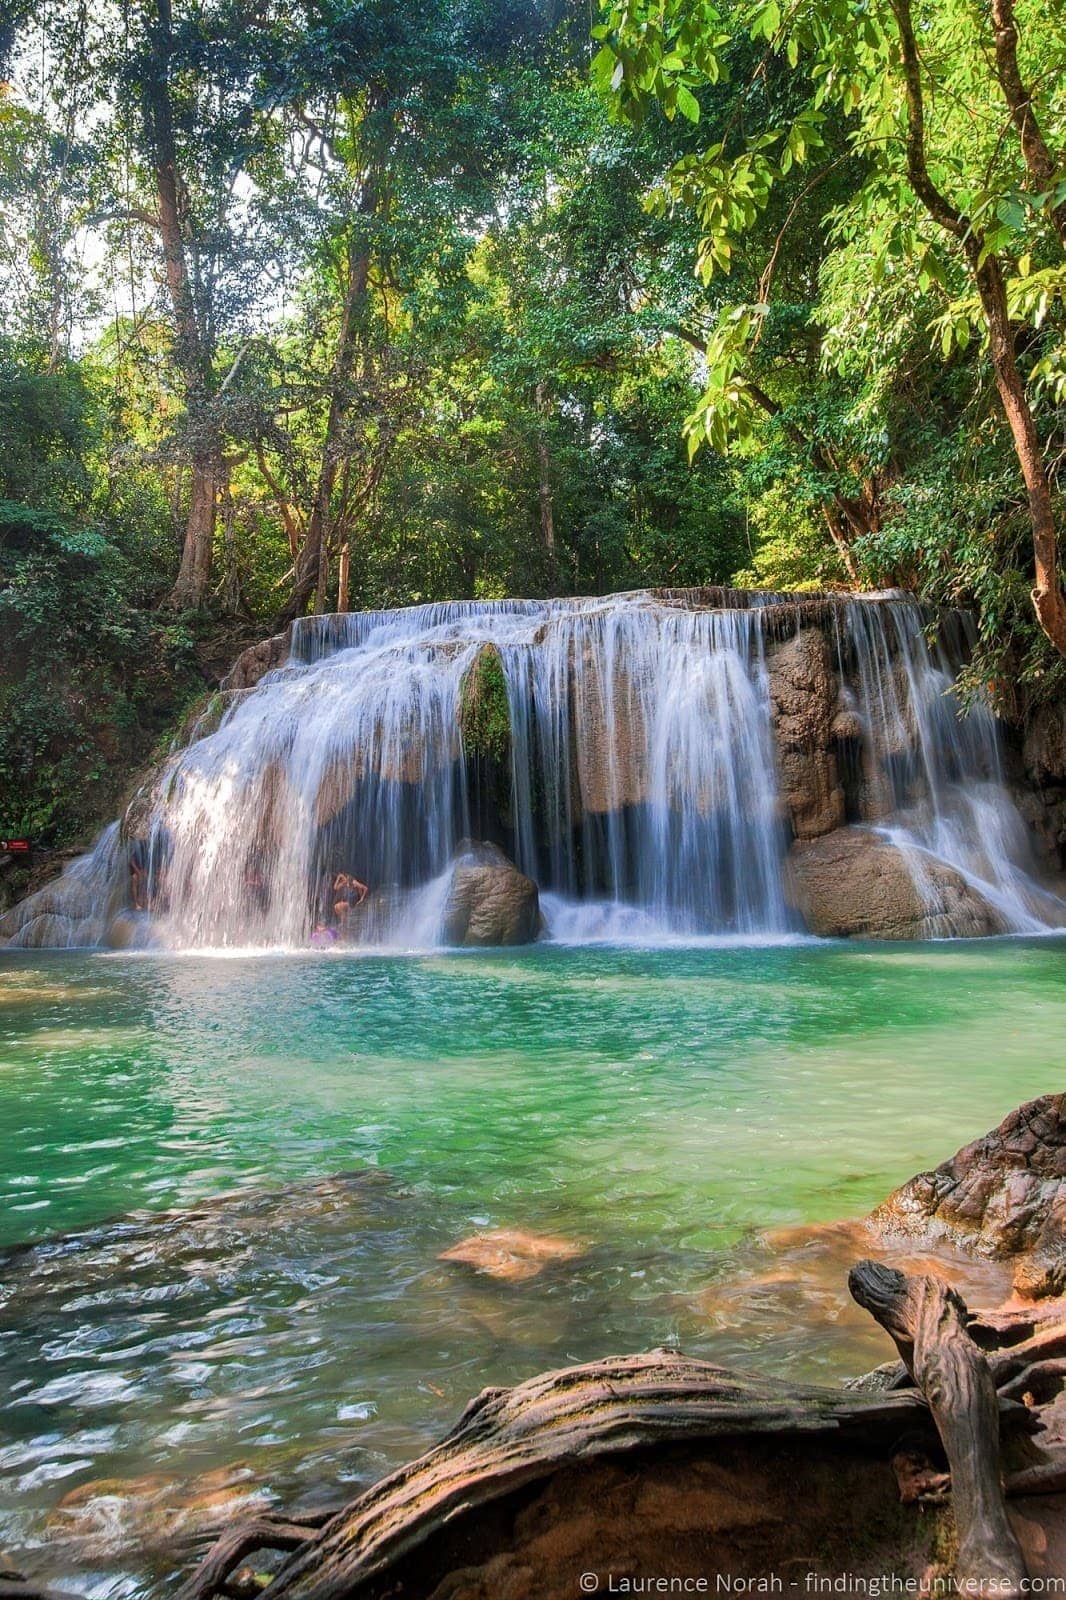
(333, 305)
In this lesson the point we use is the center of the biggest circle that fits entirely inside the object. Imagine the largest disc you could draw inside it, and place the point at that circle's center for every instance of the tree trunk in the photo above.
(194, 573)
(312, 564)
(510, 1438)
(192, 355)
(926, 1321)
(343, 570)
(1049, 603)
(547, 510)
(1040, 162)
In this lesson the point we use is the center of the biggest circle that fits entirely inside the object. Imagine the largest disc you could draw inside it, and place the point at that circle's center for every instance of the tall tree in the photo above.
(964, 182)
(406, 115)
(197, 171)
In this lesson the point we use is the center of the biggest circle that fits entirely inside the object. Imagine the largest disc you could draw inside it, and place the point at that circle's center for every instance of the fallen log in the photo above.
(508, 1439)
(927, 1323)
(641, 1412)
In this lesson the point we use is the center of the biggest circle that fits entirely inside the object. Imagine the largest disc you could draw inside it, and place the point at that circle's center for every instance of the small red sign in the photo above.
(15, 847)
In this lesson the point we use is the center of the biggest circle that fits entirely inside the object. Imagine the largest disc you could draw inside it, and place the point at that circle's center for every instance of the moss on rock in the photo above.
(484, 711)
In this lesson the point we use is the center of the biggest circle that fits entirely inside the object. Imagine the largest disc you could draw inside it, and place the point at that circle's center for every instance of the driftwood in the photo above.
(509, 1439)
(267, 1531)
(927, 1322)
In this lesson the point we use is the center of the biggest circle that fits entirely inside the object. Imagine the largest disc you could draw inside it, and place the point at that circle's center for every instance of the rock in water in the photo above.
(1001, 1196)
(512, 1254)
(488, 901)
(855, 882)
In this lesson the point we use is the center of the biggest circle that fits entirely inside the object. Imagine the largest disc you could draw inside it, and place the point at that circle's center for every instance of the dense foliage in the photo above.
(344, 303)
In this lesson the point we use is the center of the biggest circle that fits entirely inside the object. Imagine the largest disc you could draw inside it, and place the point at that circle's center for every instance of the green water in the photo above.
(655, 1108)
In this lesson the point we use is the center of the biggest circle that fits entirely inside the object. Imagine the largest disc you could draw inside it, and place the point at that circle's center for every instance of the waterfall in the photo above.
(640, 784)
(939, 787)
(74, 911)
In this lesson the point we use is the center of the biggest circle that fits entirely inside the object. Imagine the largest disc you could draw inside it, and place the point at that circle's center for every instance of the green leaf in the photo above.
(687, 103)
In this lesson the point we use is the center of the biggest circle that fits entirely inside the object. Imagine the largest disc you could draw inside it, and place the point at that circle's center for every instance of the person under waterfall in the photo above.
(349, 892)
(338, 899)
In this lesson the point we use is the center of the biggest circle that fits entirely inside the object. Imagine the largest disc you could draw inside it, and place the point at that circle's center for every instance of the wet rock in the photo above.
(484, 709)
(1043, 799)
(488, 901)
(259, 659)
(50, 931)
(854, 882)
(610, 767)
(130, 930)
(511, 1254)
(151, 1514)
(803, 705)
(1003, 1196)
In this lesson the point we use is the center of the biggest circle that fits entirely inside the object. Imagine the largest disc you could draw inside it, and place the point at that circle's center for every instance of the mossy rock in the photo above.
(484, 712)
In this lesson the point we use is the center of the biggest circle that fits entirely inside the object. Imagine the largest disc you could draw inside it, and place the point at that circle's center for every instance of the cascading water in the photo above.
(938, 789)
(640, 778)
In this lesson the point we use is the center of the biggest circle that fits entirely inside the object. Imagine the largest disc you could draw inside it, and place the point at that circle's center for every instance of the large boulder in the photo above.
(855, 882)
(488, 901)
(1003, 1196)
(803, 704)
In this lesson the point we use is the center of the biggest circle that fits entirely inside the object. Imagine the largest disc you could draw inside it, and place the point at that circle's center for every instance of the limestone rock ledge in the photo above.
(1002, 1196)
(856, 883)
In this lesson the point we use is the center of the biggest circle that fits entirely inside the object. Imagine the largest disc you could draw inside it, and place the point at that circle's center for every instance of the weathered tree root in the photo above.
(511, 1438)
(268, 1531)
(927, 1323)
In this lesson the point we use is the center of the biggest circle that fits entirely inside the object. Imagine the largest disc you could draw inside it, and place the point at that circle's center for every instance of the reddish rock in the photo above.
(259, 659)
(1003, 1196)
(512, 1254)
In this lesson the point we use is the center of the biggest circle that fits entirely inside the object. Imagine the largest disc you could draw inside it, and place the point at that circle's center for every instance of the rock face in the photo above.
(803, 700)
(1043, 800)
(854, 882)
(1003, 1195)
(255, 662)
(488, 901)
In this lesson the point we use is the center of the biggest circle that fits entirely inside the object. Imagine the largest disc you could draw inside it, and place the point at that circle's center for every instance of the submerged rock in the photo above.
(855, 882)
(1002, 1196)
(512, 1254)
(488, 901)
(151, 1514)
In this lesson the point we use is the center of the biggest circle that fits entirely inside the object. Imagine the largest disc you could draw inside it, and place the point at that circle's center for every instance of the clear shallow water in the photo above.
(657, 1108)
